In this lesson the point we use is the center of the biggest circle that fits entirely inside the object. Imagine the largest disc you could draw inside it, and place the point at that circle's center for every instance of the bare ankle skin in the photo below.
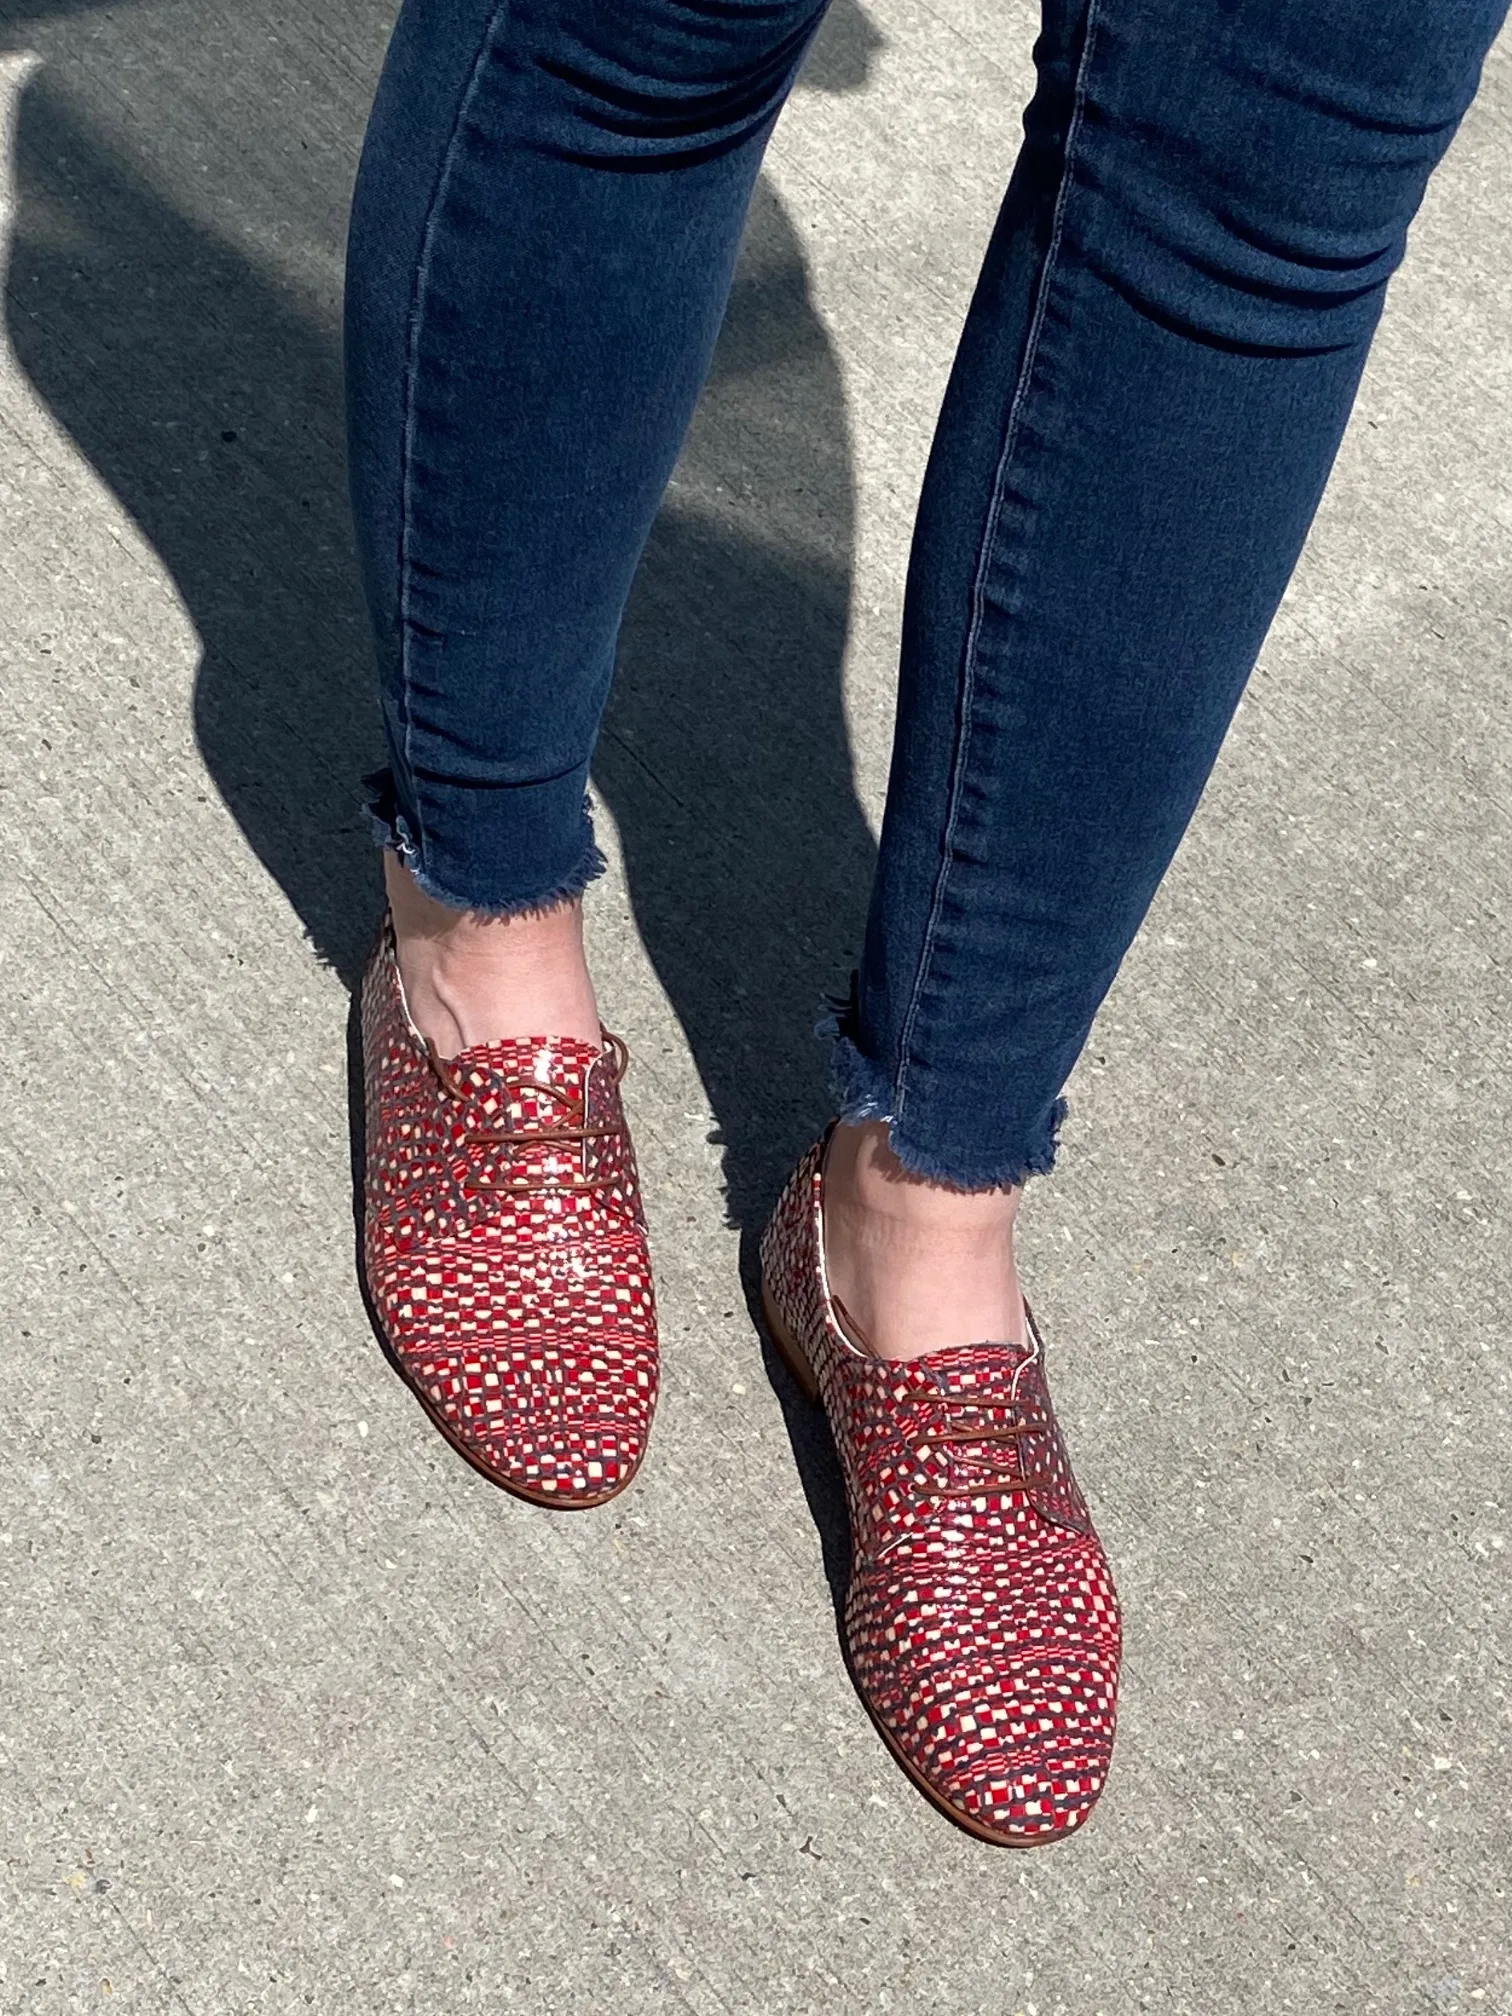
(471, 979)
(917, 1266)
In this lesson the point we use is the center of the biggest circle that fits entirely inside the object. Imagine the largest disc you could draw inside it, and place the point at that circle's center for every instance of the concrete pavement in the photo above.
(299, 1714)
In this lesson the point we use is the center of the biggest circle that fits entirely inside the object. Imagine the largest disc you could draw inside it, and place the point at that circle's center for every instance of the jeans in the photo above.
(1153, 379)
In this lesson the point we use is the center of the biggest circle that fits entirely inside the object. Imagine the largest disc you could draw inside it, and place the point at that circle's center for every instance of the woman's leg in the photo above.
(545, 225)
(1154, 377)
(544, 230)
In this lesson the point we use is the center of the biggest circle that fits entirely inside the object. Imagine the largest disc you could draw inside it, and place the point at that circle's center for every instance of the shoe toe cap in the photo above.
(1002, 1707)
(1020, 1747)
(1026, 1799)
(582, 1463)
(566, 1426)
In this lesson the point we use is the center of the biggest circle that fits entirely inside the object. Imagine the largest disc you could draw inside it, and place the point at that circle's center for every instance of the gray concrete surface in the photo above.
(298, 1713)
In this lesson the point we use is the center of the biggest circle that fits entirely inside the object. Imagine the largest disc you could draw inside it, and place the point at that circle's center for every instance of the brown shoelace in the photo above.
(960, 1432)
(956, 1431)
(574, 1130)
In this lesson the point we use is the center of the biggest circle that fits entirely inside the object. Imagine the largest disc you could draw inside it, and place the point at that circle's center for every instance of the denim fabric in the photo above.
(1158, 364)
(544, 231)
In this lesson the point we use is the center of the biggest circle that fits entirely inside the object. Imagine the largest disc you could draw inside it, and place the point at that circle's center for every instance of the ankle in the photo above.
(471, 979)
(863, 1171)
(916, 1265)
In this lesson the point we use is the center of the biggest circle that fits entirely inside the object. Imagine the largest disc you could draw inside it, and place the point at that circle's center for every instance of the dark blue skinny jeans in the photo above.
(1153, 379)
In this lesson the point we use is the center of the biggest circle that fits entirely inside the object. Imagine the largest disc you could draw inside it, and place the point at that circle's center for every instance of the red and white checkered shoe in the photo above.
(505, 1248)
(981, 1620)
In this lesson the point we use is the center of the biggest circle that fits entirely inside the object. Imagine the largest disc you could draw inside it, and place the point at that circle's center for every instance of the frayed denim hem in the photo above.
(986, 1173)
(386, 822)
(864, 1091)
(390, 829)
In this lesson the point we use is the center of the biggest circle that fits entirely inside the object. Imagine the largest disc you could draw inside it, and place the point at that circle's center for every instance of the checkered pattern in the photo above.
(511, 1278)
(981, 1618)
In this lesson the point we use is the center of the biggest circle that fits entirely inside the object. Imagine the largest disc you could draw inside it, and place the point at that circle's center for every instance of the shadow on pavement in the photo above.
(207, 395)
(211, 405)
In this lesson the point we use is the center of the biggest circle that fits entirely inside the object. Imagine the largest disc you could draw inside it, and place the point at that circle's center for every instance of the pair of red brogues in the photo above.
(507, 1261)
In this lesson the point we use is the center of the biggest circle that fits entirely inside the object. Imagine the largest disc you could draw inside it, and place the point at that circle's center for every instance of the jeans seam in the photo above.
(411, 376)
(989, 537)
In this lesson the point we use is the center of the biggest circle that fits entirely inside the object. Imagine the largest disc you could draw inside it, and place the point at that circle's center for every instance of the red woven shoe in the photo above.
(505, 1248)
(981, 1621)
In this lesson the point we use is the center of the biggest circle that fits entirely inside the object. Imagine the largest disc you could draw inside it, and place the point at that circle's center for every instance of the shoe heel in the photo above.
(789, 1349)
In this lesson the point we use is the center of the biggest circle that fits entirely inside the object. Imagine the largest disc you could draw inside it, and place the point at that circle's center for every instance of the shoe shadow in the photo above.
(206, 392)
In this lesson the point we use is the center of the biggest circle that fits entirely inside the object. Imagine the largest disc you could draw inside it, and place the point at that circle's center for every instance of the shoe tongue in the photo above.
(513, 1082)
(519, 1123)
(965, 1370)
(992, 1374)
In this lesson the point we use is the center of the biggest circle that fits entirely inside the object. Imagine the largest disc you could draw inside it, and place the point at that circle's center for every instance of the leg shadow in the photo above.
(211, 405)
(725, 758)
(208, 397)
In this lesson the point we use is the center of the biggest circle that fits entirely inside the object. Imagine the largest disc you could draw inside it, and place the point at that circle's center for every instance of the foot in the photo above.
(471, 979)
(981, 1620)
(504, 1248)
(916, 1266)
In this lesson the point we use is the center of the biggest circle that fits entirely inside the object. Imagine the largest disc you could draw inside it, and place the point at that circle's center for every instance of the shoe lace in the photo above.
(955, 1425)
(573, 1130)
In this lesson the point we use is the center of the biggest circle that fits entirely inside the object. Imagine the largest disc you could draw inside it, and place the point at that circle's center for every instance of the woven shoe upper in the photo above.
(981, 1618)
(505, 1247)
